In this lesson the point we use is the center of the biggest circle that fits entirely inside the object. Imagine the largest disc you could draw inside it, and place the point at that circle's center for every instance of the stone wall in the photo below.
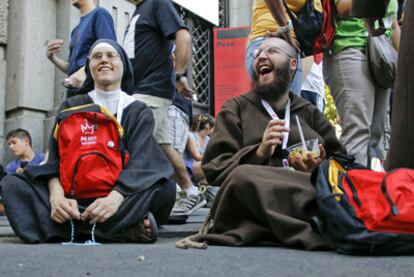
(4, 10)
(29, 75)
(240, 13)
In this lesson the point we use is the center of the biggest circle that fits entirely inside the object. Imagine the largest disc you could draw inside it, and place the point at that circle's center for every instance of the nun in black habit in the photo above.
(142, 197)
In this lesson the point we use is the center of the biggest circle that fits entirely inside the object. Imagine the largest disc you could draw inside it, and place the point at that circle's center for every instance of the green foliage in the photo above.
(330, 108)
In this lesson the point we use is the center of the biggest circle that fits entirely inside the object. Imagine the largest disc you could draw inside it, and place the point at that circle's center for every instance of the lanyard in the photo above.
(273, 115)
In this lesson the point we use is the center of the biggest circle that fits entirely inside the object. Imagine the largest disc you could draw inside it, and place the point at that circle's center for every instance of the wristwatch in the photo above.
(178, 75)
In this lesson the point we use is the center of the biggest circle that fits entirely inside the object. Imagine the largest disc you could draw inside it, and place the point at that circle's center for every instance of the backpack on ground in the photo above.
(314, 26)
(364, 212)
(91, 153)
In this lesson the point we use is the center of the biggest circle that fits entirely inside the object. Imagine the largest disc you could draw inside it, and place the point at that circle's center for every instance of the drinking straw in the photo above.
(302, 138)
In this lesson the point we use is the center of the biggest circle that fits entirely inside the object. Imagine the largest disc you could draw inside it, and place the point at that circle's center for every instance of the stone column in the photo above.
(67, 17)
(3, 44)
(29, 77)
(240, 13)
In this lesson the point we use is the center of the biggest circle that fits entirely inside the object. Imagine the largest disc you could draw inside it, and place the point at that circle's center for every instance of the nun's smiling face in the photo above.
(106, 67)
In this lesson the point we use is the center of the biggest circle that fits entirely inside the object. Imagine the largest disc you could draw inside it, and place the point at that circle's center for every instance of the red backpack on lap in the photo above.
(91, 153)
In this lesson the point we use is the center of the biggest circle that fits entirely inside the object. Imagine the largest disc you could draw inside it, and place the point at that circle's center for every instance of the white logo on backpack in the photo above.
(87, 130)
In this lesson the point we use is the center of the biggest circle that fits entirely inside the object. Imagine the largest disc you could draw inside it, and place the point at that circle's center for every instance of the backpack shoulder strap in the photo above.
(86, 108)
(290, 13)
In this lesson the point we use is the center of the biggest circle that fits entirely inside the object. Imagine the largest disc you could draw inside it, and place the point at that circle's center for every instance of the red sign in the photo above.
(230, 76)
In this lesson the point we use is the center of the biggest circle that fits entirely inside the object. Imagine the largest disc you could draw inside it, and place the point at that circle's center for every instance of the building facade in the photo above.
(31, 87)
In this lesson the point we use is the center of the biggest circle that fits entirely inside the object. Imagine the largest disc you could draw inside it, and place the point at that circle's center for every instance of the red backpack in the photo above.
(90, 150)
(362, 211)
(383, 201)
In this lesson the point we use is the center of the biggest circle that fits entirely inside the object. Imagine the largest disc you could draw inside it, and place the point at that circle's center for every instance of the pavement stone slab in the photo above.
(164, 259)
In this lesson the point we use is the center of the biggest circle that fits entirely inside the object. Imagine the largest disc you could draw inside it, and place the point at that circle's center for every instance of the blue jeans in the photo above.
(314, 98)
(296, 84)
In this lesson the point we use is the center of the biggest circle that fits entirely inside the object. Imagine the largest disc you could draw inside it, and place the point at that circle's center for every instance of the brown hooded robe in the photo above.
(262, 203)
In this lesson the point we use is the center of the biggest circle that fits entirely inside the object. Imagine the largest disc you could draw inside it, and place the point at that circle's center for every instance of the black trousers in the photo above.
(28, 210)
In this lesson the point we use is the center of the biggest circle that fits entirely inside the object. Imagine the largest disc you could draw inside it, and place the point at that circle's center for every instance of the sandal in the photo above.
(137, 232)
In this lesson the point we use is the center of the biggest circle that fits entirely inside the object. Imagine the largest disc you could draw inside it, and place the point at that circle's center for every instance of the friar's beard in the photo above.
(278, 87)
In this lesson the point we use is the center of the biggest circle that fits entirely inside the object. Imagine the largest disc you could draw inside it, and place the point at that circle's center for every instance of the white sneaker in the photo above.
(180, 205)
(195, 202)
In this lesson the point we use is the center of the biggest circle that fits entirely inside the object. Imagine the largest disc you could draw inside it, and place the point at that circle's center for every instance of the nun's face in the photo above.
(106, 67)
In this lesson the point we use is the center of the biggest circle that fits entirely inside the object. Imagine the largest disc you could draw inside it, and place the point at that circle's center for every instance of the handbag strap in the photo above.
(290, 13)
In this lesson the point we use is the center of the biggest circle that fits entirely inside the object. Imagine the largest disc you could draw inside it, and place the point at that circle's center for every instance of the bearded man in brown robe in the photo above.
(266, 196)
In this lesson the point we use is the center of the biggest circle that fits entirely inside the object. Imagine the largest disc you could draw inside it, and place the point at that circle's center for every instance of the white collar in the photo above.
(123, 99)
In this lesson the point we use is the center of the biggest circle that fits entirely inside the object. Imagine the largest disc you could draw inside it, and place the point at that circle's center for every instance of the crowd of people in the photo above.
(265, 194)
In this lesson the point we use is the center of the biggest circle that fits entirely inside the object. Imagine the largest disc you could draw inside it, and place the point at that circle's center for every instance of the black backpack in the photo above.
(314, 26)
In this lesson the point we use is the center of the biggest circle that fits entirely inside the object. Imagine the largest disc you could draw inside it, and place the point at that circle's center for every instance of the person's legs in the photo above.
(251, 47)
(310, 96)
(157, 199)
(161, 129)
(314, 98)
(159, 107)
(180, 171)
(380, 121)
(387, 132)
(197, 171)
(349, 79)
(178, 126)
(252, 206)
(296, 84)
(28, 211)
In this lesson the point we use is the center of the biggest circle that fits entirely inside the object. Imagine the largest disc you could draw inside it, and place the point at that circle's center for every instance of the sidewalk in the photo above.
(165, 231)
(164, 259)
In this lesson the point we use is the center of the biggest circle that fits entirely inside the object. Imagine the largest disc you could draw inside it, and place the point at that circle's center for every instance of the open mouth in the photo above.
(264, 70)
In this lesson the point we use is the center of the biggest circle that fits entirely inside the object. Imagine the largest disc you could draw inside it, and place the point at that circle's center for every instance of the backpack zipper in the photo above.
(394, 209)
(354, 191)
(75, 171)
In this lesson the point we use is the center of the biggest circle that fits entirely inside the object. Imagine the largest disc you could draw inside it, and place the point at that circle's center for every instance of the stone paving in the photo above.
(164, 259)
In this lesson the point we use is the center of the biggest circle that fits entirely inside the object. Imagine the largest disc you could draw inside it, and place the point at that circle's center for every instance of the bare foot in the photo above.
(147, 226)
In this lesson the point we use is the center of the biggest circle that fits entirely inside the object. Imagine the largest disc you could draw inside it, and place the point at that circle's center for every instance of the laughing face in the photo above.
(274, 66)
(106, 67)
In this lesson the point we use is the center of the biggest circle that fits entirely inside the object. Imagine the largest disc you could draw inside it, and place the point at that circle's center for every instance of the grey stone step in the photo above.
(6, 231)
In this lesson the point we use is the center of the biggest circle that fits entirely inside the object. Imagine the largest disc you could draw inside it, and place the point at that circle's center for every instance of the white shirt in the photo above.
(114, 101)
